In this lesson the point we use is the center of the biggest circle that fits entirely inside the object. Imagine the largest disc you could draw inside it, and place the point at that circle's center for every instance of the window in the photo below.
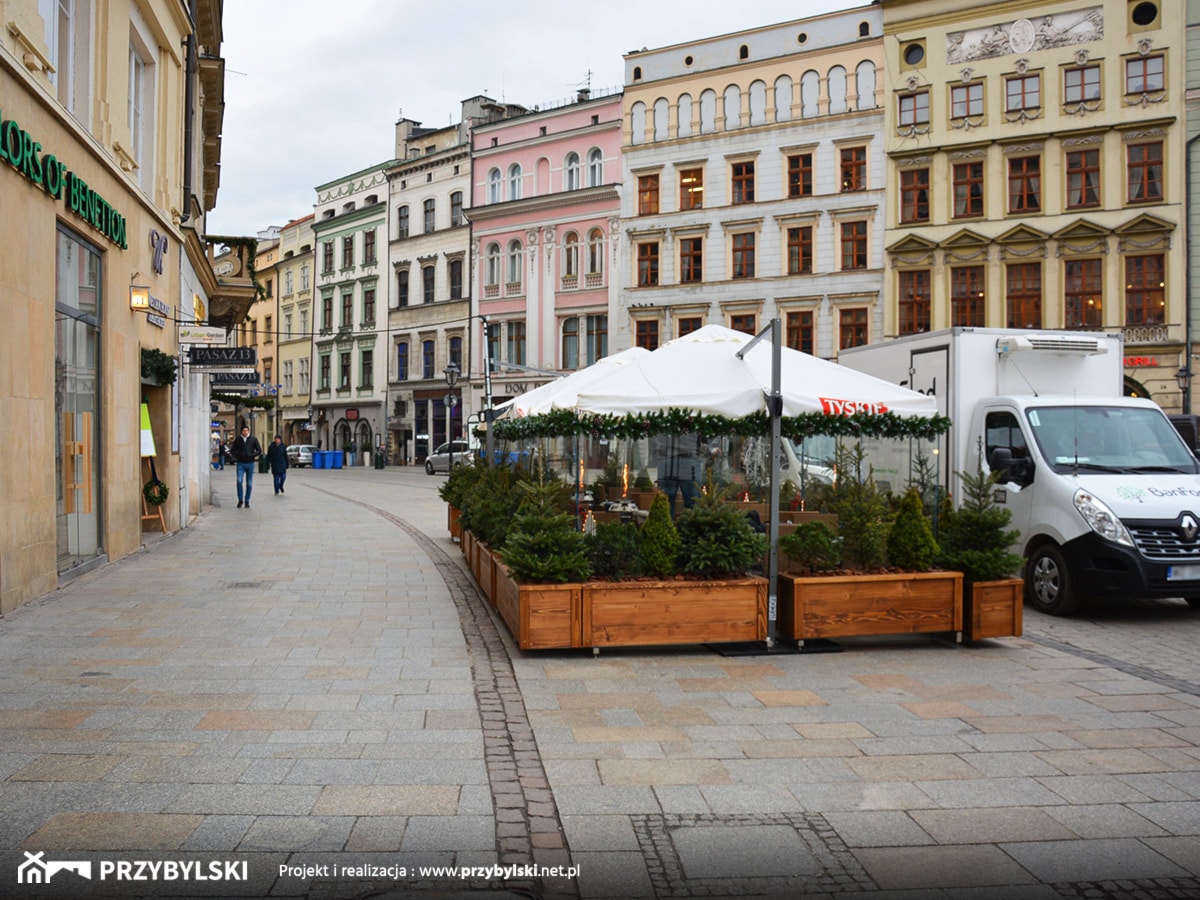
(303, 377)
(647, 264)
(1143, 75)
(686, 325)
(427, 284)
(492, 267)
(854, 245)
(1024, 184)
(270, 288)
(369, 247)
(852, 327)
(914, 195)
(327, 312)
(268, 331)
(402, 288)
(327, 257)
(368, 304)
(402, 361)
(800, 175)
(366, 368)
(348, 251)
(347, 310)
(597, 338)
(515, 268)
(304, 323)
(1023, 93)
(1145, 295)
(429, 209)
(798, 331)
(455, 348)
(427, 359)
(915, 307)
(289, 381)
(595, 252)
(647, 195)
(691, 260)
(571, 172)
(595, 167)
(493, 346)
(968, 190)
(304, 277)
(516, 343)
(966, 100)
(514, 181)
(254, 332)
(742, 177)
(913, 109)
(454, 272)
(854, 168)
(456, 209)
(691, 189)
(287, 326)
(743, 255)
(343, 370)
(495, 186)
(67, 42)
(747, 323)
(141, 109)
(570, 343)
(1080, 85)
(1024, 295)
(571, 255)
(1084, 293)
(288, 281)
(966, 297)
(800, 250)
(325, 372)
(1083, 179)
(646, 334)
(1145, 172)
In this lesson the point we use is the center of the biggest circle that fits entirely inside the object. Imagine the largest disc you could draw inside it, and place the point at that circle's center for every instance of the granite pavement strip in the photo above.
(314, 682)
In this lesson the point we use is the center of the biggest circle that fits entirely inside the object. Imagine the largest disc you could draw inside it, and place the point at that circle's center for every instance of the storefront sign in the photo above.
(222, 356)
(1134, 361)
(201, 334)
(162, 311)
(351, 415)
(23, 153)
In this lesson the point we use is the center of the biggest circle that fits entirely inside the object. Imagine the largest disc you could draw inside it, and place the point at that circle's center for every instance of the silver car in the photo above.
(300, 455)
(439, 459)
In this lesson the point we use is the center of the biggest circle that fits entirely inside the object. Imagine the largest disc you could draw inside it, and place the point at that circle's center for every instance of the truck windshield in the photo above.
(1116, 439)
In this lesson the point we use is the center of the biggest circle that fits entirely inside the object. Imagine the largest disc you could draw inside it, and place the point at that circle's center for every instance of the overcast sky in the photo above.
(313, 88)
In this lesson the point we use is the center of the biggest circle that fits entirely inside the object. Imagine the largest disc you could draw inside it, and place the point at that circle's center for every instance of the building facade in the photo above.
(293, 347)
(104, 184)
(1037, 153)
(544, 213)
(754, 178)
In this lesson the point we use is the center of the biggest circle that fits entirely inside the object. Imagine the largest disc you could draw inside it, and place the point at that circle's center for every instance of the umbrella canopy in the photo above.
(563, 393)
(701, 372)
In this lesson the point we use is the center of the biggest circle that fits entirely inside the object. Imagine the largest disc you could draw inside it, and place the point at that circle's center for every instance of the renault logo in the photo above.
(1189, 527)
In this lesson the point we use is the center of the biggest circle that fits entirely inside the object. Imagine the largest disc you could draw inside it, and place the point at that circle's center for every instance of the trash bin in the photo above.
(336, 457)
(264, 465)
(318, 459)
(379, 461)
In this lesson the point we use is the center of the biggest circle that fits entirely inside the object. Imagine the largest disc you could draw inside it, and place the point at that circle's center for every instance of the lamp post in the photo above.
(451, 372)
(1184, 377)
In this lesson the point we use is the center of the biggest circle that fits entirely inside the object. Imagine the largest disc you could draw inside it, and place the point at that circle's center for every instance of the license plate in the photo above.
(1183, 573)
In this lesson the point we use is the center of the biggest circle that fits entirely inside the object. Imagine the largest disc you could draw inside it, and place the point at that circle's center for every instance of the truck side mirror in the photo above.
(1018, 471)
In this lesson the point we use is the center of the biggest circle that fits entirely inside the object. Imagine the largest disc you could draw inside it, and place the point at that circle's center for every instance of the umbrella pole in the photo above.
(775, 407)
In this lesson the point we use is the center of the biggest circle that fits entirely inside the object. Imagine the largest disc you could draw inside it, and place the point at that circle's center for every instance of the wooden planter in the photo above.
(644, 499)
(540, 616)
(993, 608)
(632, 613)
(798, 517)
(453, 525)
(467, 546)
(848, 605)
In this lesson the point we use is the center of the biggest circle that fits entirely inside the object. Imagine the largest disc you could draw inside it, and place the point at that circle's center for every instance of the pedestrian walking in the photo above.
(277, 458)
(246, 451)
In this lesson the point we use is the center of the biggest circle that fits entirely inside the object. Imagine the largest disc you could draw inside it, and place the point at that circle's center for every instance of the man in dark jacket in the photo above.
(277, 457)
(246, 450)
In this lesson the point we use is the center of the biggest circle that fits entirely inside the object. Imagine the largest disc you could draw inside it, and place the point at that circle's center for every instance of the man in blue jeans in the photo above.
(246, 450)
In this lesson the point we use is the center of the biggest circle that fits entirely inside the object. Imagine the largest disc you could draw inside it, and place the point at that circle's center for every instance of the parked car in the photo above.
(300, 455)
(439, 459)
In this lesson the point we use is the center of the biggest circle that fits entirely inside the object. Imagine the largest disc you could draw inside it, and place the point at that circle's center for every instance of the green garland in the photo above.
(156, 492)
(158, 366)
(562, 423)
(239, 400)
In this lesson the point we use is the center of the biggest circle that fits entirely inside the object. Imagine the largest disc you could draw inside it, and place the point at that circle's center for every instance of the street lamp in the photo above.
(1184, 377)
(451, 372)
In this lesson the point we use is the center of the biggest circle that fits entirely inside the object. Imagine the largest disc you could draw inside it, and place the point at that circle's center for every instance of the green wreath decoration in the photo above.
(156, 492)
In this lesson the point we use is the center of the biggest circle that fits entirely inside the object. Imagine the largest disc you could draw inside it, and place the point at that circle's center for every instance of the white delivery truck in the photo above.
(1104, 491)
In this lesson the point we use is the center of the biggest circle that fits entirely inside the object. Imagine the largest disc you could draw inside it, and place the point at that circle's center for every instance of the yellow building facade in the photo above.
(1036, 172)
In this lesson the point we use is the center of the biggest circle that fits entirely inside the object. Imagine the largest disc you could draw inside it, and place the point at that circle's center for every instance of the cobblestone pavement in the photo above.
(314, 683)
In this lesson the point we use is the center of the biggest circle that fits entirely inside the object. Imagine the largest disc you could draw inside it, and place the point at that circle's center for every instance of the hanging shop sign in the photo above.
(19, 149)
(223, 356)
(201, 334)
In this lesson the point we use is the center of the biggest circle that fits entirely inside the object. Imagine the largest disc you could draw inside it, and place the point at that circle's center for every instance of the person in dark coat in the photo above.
(245, 450)
(277, 458)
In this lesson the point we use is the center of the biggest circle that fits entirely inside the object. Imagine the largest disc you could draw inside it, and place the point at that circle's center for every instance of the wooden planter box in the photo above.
(467, 546)
(644, 499)
(848, 605)
(453, 525)
(632, 613)
(540, 616)
(993, 608)
(797, 517)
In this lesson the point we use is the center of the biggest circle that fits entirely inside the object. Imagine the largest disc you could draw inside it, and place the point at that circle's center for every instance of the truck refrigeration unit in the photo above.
(1103, 489)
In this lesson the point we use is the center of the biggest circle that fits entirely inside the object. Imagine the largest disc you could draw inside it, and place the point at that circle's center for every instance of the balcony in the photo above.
(491, 291)
(236, 289)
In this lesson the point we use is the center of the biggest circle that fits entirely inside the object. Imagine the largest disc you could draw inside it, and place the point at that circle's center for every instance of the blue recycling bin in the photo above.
(318, 459)
(336, 456)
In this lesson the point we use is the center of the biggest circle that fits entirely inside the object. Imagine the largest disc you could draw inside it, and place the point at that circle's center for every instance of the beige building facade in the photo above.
(1036, 157)
(293, 339)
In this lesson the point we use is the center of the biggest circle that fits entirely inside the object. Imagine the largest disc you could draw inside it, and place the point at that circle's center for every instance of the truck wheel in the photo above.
(1048, 586)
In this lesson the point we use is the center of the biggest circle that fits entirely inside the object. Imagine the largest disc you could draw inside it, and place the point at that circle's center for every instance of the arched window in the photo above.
(570, 343)
(595, 251)
(708, 111)
(837, 90)
(684, 125)
(783, 99)
(595, 167)
(864, 85)
(492, 272)
(495, 186)
(514, 181)
(571, 172)
(758, 103)
(637, 123)
(733, 107)
(571, 255)
(810, 94)
(662, 116)
(514, 262)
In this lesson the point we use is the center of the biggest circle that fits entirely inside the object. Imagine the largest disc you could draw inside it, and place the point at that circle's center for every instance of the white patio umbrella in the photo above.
(562, 393)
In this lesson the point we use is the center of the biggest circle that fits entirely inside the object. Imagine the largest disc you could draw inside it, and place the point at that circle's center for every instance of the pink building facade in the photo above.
(545, 210)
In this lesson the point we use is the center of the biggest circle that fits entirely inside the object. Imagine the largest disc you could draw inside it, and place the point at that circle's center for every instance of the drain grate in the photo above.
(245, 585)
